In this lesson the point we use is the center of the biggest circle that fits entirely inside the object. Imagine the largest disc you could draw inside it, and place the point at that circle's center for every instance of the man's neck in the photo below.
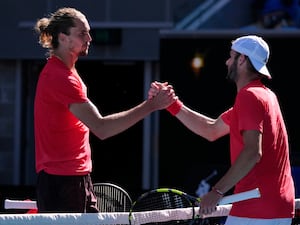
(68, 59)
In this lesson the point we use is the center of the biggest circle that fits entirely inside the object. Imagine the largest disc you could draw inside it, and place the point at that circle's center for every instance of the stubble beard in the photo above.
(84, 51)
(232, 72)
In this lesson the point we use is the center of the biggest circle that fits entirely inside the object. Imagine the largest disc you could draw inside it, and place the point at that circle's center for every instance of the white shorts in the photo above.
(233, 220)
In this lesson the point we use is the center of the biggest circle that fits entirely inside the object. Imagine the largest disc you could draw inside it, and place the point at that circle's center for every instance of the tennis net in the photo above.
(110, 218)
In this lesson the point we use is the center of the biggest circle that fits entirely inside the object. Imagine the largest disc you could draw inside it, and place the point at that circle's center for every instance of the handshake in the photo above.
(156, 87)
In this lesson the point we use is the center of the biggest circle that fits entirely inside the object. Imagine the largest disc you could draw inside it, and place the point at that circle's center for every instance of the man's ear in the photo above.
(61, 37)
(242, 58)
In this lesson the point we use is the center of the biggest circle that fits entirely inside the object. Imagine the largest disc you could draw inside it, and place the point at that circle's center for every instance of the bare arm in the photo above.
(106, 126)
(204, 126)
(247, 159)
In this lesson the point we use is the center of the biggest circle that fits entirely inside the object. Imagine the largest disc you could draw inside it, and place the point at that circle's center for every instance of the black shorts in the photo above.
(68, 194)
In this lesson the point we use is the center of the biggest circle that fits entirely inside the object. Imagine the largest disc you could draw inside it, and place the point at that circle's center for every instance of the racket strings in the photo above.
(173, 201)
(110, 199)
(109, 204)
(160, 201)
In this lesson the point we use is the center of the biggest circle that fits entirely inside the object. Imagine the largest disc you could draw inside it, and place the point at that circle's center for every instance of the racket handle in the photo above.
(254, 193)
(18, 204)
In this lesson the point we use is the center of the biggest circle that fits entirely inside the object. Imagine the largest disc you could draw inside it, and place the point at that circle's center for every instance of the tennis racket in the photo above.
(163, 200)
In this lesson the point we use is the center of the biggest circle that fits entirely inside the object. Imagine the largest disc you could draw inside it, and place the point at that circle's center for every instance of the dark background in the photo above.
(187, 158)
(184, 158)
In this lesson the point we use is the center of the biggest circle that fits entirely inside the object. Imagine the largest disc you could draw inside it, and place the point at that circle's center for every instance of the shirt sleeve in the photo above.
(225, 116)
(69, 89)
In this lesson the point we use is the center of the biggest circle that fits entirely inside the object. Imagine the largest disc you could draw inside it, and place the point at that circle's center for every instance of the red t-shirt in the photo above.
(256, 108)
(61, 140)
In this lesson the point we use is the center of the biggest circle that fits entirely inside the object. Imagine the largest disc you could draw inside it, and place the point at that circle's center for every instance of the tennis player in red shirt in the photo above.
(259, 147)
(64, 116)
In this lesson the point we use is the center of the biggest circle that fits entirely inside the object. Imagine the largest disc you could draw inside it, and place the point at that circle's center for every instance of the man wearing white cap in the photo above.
(259, 148)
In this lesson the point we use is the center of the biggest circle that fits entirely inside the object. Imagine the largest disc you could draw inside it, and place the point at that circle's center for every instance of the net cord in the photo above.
(111, 218)
(27, 204)
(107, 218)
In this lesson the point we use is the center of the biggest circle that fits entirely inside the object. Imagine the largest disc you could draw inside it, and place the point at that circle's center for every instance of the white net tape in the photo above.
(107, 218)
(110, 218)
(254, 193)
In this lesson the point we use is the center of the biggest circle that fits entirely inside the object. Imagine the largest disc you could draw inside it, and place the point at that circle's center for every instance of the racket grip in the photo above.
(254, 193)
(18, 204)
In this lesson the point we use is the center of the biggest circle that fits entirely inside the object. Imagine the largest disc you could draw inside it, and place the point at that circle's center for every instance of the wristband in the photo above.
(217, 191)
(175, 107)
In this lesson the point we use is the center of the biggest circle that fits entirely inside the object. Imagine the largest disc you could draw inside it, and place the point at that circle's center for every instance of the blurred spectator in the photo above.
(272, 14)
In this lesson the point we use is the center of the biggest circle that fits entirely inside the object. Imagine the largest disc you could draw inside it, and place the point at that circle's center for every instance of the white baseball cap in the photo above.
(256, 49)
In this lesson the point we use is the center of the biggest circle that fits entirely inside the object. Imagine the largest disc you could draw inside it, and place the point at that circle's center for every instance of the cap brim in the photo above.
(261, 68)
